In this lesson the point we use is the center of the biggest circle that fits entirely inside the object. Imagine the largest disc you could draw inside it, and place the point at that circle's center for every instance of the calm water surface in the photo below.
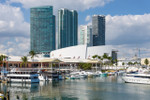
(100, 88)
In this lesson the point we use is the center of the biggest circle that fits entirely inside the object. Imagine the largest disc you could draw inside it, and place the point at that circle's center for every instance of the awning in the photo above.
(51, 60)
(93, 61)
(71, 61)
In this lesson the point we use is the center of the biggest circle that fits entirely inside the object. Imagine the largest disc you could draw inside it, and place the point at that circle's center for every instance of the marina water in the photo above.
(100, 88)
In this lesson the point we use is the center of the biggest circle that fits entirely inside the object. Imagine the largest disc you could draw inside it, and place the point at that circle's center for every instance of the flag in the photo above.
(74, 57)
(60, 55)
(78, 57)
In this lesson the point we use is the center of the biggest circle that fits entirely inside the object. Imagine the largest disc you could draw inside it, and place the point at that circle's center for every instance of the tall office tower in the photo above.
(42, 29)
(67, 28)
(85, 35)
(98, 30)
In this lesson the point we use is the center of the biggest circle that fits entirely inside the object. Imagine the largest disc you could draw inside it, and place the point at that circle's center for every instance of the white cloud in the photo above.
(20, 47)
(129, 32)
(14, 31)
(128, 29)
(71, 4)
(12, 22)
(88, 18)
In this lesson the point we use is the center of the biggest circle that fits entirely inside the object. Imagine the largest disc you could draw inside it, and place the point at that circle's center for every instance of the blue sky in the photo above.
(116, 7)
(127, 22)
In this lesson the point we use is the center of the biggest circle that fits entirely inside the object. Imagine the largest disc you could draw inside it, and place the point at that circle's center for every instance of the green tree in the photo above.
(24, 60)
(95, 56)
(123, 63)
(85, 66)
(146, 61)
(99, 57)
(32, 54)
(109, 58)
(2, 58)
(105, 56)
(116, 61)
(24, 97)
(130, 63)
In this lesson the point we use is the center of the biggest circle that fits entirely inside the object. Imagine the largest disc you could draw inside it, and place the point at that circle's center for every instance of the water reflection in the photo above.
(100, 88)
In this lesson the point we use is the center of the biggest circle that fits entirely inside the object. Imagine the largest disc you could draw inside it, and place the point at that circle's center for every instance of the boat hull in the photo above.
(137, 80)
(24, 80)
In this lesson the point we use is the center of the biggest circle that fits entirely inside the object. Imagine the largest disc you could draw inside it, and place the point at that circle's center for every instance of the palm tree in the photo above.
(123, 63)
(146, 61)
(99, 57)
(24, 60)
(1, 60)
(105, 56)
(2, 57)
(109, 58)
(116, 61)
(95, 56)
(32, 54)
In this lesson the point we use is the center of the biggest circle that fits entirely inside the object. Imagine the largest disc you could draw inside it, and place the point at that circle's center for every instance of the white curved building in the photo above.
(82, 51)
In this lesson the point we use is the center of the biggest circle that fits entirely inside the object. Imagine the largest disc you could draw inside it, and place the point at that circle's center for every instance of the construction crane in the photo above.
(139, 51)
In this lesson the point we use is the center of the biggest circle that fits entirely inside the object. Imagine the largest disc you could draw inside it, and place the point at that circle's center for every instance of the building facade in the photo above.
(67, 28)
(85, 36)
(81, 52)
(114, 55)
(42, 29)
(98, 30)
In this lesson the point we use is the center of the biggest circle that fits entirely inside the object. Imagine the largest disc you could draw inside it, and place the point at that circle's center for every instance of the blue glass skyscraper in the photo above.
(67, 28)
(42, 29)
(98, 30)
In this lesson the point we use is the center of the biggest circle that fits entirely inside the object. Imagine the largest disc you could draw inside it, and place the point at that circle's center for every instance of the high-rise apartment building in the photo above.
(85, 36)
(98, 30)
(42, 29)
(67, 28)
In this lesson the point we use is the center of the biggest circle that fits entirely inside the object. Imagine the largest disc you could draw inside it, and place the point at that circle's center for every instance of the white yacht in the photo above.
(16, 75)
(142, 77)
(137, 78)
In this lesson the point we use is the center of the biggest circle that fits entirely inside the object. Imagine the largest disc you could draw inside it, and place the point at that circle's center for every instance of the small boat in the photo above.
(42, 77)
(120, 73)
(48, 75)
(104, 74)
(83, 74)
(74, 75)
(90, 74)
(111, 73)
(97, 73)
(67, 76)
